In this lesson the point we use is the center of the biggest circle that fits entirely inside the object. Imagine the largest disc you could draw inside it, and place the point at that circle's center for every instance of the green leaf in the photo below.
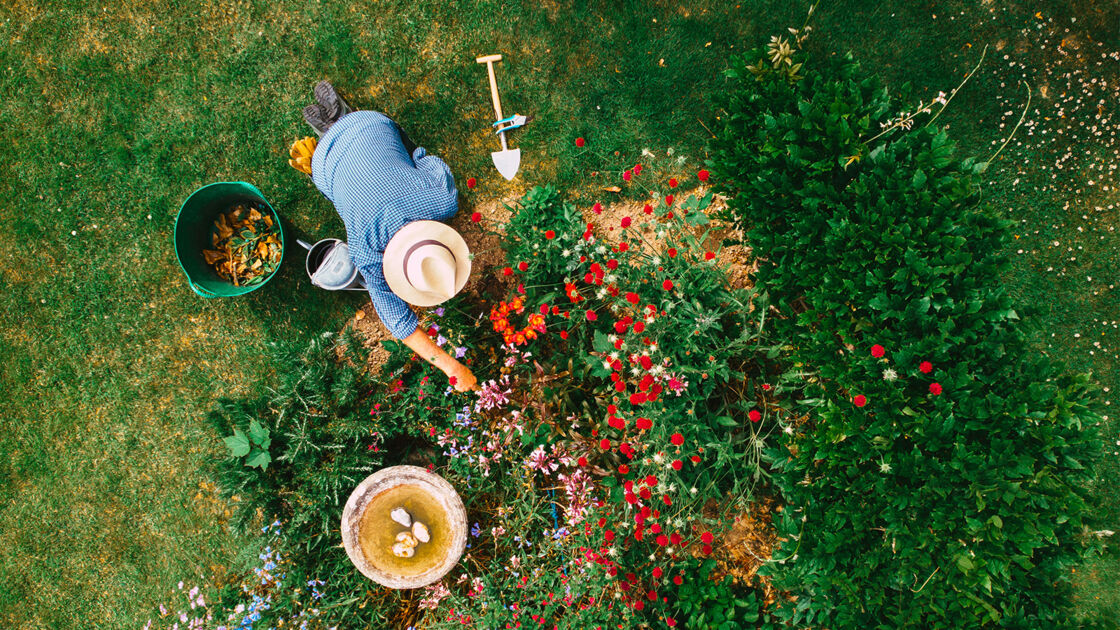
(258, 459)
(238, 443)
(727, 421)
(997, 521)
(259, 434)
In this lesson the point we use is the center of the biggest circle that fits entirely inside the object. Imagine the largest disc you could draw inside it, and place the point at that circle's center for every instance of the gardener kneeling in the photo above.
(392, 199)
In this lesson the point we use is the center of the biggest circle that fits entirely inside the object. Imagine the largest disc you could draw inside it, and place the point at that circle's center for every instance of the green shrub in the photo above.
(939, 495)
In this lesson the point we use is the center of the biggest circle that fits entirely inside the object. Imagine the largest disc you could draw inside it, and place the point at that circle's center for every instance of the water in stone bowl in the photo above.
(369, 531)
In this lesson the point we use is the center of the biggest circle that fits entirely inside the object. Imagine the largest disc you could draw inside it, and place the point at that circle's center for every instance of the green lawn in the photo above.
(115, 112)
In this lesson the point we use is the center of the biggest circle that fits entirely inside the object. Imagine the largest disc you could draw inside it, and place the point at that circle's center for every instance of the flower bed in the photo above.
(617, 435)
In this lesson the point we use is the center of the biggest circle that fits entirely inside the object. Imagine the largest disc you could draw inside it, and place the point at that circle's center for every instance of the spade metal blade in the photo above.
(507, 162)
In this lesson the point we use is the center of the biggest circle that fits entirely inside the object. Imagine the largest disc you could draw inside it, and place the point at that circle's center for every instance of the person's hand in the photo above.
(462, 378)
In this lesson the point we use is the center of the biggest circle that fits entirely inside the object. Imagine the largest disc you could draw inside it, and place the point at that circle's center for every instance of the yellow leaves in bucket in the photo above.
(246, 245)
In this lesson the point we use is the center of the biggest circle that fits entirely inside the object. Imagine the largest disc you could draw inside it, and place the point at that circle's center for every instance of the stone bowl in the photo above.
(368, 532)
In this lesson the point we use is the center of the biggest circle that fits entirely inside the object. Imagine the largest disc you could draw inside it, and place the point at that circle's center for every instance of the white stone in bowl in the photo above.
(401, 516)
(420, 531)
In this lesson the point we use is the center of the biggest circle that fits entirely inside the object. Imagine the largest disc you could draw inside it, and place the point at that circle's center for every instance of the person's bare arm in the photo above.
(422, 345)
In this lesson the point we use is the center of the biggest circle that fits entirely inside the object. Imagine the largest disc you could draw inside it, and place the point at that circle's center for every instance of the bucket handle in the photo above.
(200, 291)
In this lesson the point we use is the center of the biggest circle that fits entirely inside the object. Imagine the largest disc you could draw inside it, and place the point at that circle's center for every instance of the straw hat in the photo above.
(426, 262)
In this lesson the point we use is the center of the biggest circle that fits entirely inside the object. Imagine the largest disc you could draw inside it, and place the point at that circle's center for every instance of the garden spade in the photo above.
(507, 161)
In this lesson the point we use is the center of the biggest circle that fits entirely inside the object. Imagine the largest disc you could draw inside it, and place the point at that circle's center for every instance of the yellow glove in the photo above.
(301, 153)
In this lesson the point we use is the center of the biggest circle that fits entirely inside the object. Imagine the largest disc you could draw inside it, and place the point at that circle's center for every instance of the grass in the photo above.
(115, 113)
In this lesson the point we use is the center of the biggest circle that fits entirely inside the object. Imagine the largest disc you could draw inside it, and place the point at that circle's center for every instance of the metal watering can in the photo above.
(329, 266)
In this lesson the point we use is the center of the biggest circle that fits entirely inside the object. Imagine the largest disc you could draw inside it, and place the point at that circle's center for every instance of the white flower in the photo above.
(658, 458)
(889, 374)
(693, 490)
(653, 347)
(657, 259)
(566, 253)
(647, 153)
(788, 430)
(884, 467)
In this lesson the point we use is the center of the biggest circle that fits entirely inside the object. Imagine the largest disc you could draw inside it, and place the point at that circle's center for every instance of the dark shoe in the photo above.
(331, 102)
(317, 118)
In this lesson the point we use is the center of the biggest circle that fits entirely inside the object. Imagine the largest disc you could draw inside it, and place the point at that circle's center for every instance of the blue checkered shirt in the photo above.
(362, 166)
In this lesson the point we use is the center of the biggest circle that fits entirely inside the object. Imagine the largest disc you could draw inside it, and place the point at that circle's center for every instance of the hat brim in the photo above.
(393, 260)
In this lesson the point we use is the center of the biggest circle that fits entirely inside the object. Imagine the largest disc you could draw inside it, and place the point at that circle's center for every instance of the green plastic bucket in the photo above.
(192, 235)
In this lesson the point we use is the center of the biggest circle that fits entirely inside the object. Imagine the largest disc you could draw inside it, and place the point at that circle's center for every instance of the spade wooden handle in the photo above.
(489, 61)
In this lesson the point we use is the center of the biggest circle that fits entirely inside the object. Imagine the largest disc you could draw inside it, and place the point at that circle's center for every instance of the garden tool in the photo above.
(329, 266)
(507, 161)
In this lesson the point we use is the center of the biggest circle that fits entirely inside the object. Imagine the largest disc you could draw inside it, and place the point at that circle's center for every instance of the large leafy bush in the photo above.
(935, 479)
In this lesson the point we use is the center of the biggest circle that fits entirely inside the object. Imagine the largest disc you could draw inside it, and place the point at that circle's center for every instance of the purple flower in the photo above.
(460, 353)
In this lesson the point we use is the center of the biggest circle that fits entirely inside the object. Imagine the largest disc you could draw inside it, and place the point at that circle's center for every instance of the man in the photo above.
(391, 199)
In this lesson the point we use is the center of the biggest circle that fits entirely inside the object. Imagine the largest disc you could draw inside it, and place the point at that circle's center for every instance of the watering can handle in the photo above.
(304, 244)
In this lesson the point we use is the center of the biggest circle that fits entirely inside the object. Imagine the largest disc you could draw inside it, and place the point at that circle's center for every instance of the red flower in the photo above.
(707, 550)
(591, 316)
(878, 351)
(668, 200)
(678, 580)
(643, 423)
(549, 234)
(657, 572)
(598, 208)
(766, 387)
(637, 169)
(709, 255)
(662, 540)
(605, 444)
(582, 461)
(925, 367)
(626, 176)
(706, 538)
(935, 389)
(703, 175)
(651, 481)
(859, 400)
(580, 142)
(471, 182)
(623, 469)
(669, 621)
(755, 416)
(637, 398)
(523, 266)
(476, 217)
(677, 464)
(672, 183)
(648, 209)
(609, 535)
(652, 596)
(625, 222)
(672, 252)
(632, 298)
(667, 285)
(695, 459)
(563, 334)
(507, 271)
(677, 439)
